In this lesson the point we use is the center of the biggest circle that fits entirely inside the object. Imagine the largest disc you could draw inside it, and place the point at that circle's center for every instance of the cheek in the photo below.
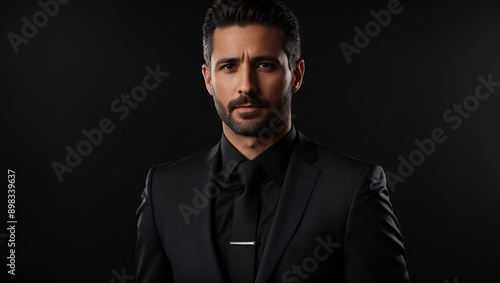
(277, 87)
(222, 89)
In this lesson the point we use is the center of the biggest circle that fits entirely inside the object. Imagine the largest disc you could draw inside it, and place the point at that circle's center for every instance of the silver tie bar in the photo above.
(243, 243)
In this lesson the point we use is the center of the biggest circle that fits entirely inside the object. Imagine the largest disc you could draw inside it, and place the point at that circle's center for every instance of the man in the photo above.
(264, 204)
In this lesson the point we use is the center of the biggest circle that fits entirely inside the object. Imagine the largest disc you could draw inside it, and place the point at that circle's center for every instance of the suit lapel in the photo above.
(299, 183)
(201, 225)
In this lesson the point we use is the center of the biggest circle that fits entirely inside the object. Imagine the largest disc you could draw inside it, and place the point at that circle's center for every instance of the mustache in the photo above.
(245, 99)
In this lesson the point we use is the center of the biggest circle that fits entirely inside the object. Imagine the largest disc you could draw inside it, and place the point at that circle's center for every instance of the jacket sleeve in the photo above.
(373, 244)
(152, 264)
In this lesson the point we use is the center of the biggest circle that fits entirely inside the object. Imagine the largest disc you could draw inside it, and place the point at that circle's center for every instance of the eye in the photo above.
(266, 66)
(228, 66)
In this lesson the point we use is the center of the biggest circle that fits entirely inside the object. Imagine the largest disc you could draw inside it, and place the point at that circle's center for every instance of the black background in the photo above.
(393, 92)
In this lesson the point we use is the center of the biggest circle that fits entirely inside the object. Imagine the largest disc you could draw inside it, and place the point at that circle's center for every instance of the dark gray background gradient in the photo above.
(395, 91)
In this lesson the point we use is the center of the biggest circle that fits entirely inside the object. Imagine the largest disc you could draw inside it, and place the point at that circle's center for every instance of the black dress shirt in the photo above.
(274, 162)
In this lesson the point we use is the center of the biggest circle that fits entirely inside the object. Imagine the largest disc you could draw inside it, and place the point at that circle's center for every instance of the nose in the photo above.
(247, 80)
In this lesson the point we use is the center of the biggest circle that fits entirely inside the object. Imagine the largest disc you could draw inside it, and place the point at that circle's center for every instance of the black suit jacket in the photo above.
(333, 222)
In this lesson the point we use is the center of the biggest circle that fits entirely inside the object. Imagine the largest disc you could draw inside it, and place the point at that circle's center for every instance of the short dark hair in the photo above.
(224, 13)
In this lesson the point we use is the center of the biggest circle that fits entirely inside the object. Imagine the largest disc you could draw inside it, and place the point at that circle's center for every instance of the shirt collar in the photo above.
(274, 160)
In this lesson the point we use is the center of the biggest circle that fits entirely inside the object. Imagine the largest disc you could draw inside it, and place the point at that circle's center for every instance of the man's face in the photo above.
(249, 78)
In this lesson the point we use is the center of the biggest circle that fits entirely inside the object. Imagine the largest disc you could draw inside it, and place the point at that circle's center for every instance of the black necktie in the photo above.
(243, 243)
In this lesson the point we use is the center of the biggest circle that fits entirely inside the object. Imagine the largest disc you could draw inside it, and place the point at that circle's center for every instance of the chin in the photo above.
(247, 128)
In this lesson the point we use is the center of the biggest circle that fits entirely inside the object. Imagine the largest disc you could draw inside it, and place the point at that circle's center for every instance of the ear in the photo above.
(298, 74)
(205, 71)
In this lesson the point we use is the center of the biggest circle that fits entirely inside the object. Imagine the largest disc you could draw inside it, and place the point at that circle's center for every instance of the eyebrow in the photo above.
(227, 60)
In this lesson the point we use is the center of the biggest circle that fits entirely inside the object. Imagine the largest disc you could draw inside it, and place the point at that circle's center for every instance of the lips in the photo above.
(247, 103)
(248, 106)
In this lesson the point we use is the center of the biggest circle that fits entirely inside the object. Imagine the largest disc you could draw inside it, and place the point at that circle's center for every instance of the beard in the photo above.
(252, 129)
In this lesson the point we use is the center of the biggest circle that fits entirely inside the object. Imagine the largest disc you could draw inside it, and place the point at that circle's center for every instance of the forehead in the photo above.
(253, 39)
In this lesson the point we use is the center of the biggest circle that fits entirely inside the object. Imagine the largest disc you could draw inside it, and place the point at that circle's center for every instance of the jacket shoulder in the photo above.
(185, 164)
(334, 156)
(339, 164)
(329, 158)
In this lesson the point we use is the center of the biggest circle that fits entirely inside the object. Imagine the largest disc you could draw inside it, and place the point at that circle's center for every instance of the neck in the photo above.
(250, 146)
